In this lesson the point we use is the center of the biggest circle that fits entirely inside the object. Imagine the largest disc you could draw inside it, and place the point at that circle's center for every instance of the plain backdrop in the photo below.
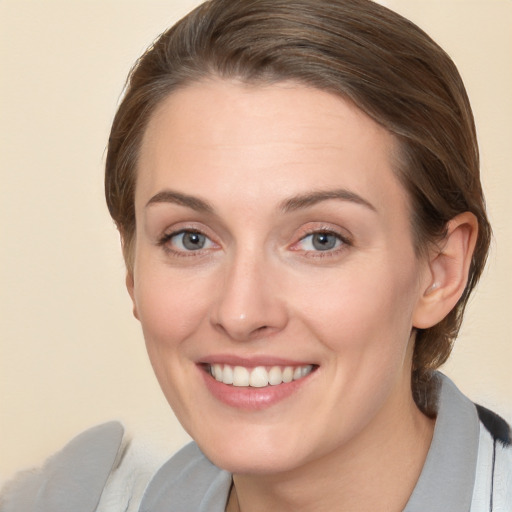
(71, 354)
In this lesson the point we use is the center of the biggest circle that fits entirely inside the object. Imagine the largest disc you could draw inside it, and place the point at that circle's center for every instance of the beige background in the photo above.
(71, 355)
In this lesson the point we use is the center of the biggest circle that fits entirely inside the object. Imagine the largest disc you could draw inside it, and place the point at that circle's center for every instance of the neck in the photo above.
(377, 472)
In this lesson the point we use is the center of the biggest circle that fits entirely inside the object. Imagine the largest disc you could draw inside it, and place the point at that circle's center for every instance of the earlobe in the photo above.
(449, 265)
(130, 286)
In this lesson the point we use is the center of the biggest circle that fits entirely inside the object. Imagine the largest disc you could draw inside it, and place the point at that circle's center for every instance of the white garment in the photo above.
(493, 483)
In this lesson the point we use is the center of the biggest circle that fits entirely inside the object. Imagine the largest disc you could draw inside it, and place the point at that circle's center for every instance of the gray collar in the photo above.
(448, 476)
(188, 482)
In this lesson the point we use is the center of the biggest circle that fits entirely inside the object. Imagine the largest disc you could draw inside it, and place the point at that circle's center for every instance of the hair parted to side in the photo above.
(356, 49)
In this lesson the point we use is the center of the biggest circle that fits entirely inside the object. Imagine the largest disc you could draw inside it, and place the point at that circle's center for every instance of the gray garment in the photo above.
(462, 453)
(73, 479)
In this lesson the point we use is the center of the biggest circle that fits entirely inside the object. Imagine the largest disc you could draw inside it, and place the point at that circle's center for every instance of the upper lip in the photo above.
(251, 362)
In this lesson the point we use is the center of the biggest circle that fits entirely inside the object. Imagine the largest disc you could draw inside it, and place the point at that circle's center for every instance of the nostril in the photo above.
(244, 332)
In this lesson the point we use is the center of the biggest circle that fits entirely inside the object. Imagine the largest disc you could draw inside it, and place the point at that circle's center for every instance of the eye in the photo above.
(321, 241)
(185, 241)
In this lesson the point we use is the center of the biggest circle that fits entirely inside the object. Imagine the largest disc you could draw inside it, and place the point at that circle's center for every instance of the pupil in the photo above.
(324, 241)
(193, 241)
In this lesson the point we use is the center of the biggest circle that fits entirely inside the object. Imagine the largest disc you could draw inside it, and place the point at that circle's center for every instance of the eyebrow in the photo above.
(170, 196)
(289, 205)
(313, 198)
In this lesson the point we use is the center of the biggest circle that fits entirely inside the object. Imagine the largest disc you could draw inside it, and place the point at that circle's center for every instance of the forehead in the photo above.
(262, 142)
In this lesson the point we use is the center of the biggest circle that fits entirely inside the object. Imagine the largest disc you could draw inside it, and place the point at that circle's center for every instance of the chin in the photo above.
(251, 461)
(259, 449)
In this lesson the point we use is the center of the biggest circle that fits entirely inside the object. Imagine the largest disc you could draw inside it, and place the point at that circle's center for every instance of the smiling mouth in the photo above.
(259, 376)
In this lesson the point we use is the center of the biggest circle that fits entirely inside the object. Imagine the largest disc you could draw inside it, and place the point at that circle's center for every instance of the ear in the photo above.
(448, 267)
(130, 286)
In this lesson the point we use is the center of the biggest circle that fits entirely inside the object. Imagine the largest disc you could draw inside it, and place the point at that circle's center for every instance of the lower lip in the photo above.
(249, 398)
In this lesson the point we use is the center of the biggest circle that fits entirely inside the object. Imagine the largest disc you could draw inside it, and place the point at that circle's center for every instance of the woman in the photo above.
(297, 189)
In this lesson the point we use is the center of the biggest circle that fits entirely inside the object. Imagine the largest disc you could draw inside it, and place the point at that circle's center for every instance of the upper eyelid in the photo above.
(325, 232)
(344, 241)
(341, 233)
(184, 227)
(168, 235)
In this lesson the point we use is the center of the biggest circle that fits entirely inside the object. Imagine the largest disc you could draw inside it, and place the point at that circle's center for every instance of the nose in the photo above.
(249, 304)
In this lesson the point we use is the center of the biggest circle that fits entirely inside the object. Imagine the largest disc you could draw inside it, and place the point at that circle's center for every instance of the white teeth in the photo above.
(288, 374)
(240, 376)
(259, 376)
(227, 375)
(217, 372)
(275, 376)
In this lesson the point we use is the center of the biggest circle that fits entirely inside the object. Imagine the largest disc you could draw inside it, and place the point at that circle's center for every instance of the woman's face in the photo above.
(274, 243)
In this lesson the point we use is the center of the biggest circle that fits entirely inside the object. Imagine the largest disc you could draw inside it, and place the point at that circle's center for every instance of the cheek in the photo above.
(171, 311)
(364, 319)
(170, 308)
(363, 307)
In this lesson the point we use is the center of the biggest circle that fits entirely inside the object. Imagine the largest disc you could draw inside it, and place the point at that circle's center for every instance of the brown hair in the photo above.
(357, 49)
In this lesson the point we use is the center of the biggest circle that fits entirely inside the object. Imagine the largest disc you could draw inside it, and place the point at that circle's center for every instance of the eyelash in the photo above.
(331, 252)
(164, 242)
(345, 242)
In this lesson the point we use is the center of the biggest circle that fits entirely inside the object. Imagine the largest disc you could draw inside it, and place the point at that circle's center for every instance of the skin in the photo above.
(260, 288)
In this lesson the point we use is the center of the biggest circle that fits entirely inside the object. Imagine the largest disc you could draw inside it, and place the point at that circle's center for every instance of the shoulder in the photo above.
(100, 470)
(76, 477)
(469, 463)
